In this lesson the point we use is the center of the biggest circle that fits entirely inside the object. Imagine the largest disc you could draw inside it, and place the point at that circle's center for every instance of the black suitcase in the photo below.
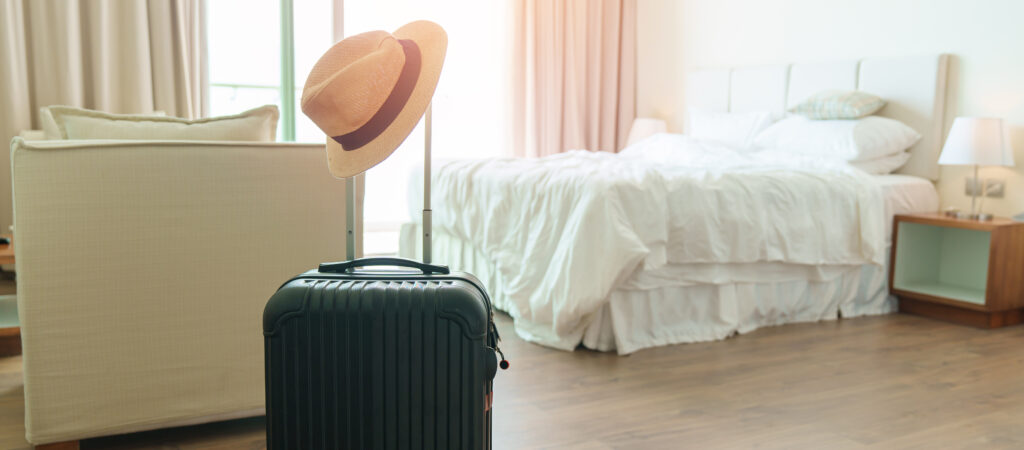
(380, 359)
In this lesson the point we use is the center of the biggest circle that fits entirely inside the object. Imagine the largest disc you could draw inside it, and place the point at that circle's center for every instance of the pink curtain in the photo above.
(575, 75)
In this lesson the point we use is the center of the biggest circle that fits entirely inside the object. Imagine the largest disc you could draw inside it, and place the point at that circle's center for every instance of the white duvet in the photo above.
(563, 230)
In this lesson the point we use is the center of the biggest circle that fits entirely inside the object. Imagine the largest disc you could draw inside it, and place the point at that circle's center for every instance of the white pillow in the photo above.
(258, 124)
(32, 135)
(851, 140)
(49, 126)
(52, 132)
(839, 104)
(884, 165)
(733, 129)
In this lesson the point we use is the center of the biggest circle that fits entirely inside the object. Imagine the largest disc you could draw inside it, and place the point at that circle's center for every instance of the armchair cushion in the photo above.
(258, 124)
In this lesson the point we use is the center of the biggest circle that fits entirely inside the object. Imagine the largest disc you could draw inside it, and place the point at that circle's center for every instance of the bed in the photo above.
(675, 240)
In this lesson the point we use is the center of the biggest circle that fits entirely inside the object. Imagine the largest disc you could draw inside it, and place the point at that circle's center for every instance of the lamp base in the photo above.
(981, 217)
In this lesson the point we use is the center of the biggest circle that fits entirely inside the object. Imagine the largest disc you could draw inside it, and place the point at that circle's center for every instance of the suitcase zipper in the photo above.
(494, 336)
(504, 364)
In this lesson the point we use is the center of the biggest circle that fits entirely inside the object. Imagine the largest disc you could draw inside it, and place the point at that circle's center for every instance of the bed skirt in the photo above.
(650, 311)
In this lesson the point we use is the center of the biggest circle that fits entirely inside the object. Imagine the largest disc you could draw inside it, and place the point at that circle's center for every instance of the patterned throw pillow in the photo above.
(827, 105)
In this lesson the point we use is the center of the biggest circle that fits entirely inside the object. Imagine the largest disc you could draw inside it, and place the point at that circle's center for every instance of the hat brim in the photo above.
(433, 43)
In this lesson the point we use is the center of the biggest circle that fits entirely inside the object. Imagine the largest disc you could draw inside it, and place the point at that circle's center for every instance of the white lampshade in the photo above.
(644, 127)
(977, 141)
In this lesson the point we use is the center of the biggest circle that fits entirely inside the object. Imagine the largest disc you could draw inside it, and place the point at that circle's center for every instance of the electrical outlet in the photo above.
(972, 187)
(994, 187)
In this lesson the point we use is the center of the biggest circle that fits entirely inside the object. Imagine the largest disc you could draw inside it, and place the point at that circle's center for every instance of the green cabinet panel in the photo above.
(942, 261)
(8, 311)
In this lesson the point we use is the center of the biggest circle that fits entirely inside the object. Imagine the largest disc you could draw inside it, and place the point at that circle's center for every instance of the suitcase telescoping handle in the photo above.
(348, 266)
(427, 226)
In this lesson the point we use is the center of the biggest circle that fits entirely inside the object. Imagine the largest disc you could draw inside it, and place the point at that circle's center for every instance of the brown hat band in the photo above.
(392, 105)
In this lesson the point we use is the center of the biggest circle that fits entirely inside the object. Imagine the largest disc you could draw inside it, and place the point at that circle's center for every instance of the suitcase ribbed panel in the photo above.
(382, 364)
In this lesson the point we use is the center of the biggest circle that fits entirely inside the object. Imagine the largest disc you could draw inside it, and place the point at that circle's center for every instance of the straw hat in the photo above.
(368, 92)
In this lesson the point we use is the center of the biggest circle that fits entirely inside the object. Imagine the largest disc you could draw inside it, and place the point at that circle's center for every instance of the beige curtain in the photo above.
(575, 75)
(120, 56)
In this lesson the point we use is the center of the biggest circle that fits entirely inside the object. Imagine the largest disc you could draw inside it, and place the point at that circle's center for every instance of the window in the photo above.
(470, 113)
(264, 59)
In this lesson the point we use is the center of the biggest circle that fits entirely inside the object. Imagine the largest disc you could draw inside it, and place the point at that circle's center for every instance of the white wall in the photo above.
(985, 36)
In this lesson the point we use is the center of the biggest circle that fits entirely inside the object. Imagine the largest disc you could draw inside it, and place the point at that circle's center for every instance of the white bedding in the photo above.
(563, 231)
(666, 306)
(683, 303)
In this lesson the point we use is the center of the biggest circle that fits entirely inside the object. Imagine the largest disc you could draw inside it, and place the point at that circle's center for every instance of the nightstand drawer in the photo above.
(938, 261)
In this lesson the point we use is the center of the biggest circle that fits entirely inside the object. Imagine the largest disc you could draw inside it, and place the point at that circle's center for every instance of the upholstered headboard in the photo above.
(913, 87)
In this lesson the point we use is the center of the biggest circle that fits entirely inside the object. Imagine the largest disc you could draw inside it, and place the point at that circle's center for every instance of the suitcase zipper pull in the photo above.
(504, 362)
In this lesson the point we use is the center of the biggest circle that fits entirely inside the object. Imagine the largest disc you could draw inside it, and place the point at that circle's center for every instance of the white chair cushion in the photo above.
(258, 124)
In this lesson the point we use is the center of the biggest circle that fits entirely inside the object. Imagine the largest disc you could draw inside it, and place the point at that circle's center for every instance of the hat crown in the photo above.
(369, 90)
(350, 82)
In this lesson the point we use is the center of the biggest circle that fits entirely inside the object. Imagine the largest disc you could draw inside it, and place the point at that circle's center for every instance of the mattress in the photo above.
(906, 194)
(680, 303)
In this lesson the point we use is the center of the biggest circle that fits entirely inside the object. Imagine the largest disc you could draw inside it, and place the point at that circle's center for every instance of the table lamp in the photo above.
(976, 142)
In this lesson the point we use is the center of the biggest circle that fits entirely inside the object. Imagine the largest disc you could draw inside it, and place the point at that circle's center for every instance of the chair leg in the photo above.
(67, 445)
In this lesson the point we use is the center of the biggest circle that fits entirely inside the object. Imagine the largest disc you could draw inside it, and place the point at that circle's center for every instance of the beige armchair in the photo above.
(143, 269)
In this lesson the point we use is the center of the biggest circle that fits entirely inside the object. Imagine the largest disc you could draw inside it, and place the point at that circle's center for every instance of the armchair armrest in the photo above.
(143, 269)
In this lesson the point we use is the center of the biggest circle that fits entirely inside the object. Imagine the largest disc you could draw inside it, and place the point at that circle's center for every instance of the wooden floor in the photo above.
(879, 382)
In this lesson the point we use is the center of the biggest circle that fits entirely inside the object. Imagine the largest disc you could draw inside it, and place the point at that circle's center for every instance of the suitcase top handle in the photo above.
(348, 266)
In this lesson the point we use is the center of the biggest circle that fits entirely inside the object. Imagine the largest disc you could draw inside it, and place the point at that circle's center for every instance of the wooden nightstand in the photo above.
(962, 271)
(10, 333)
